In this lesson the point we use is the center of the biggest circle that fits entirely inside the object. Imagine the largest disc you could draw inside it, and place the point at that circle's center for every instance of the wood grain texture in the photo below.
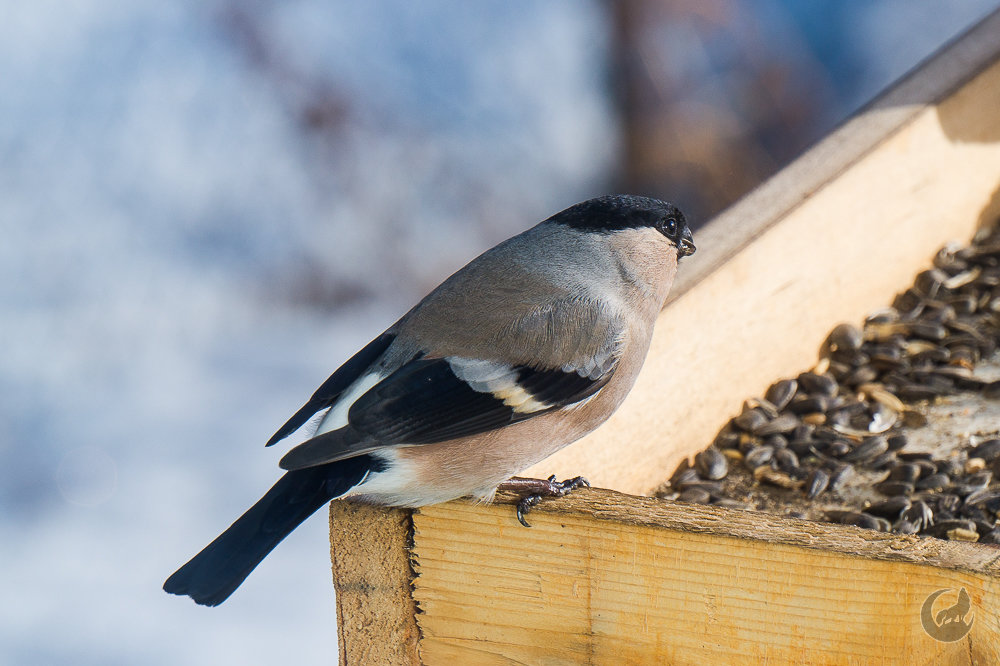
(827, 251)
(603, 578)
(608, 505)
(371, 573)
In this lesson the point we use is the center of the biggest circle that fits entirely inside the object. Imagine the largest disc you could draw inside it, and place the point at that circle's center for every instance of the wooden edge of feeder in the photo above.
(376, 613)
(603, 577)
(464, 581)
(609, 505)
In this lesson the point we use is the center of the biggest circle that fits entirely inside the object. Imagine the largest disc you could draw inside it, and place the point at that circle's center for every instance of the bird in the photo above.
(526, 349)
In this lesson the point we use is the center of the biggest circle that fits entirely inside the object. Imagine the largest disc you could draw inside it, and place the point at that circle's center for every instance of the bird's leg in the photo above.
(533, 490)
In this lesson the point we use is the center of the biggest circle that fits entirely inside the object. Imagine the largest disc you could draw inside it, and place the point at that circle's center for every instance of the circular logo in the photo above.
(949, 624)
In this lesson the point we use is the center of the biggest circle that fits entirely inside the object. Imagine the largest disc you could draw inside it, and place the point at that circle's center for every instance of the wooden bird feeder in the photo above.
(613, 577)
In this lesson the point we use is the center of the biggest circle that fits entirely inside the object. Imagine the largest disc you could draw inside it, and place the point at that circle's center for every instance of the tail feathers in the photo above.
(215, 573)
(327, 448)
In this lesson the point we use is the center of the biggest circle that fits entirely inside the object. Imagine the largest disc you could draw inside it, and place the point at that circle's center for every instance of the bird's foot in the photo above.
(534, 490)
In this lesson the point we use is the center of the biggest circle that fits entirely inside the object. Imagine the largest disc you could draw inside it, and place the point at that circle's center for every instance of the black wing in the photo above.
(435, 400)
(330, 391)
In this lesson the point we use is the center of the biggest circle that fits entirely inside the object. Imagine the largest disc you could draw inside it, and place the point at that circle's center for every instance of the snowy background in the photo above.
(205, 207)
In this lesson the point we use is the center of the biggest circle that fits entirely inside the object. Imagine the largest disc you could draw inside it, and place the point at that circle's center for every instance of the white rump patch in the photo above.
(336, 416)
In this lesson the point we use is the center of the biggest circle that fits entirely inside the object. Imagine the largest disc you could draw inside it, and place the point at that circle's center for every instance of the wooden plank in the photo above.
(371, 573)
(606, 578)
(811, 251)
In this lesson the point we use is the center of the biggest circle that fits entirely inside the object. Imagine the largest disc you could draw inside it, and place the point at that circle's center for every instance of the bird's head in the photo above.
(618, 212)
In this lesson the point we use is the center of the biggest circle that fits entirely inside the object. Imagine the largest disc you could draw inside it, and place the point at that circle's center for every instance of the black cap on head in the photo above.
(615, 212)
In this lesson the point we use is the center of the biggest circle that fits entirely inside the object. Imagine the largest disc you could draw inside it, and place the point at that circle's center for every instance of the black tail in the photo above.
(215, 573)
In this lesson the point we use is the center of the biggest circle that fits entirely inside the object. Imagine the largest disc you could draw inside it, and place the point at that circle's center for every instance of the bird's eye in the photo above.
(670, 226)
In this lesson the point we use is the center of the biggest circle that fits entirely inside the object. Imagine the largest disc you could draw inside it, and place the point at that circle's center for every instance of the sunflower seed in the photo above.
(750, 419)
(861, 375)
(962, 534)
(776, 441)
(919, 513)
(838, 448)
(758, 456)
(989, 499)
(695, 496)
(988, 450)
(711, 464)
(890, 508)
(844, 337)
(993, 536)
(883, 396)
(947, 502)
(818, 385)
(840, 476)
(727, 439)
(927, 467)
(941, 528)
(762, 405)
(784, 423)
(734, 455)
(973, 465)
(775, 478)
(780, 393)
(896, 442)
(816, 483)
(949, 467)
(907, 472)
(929, 281)
(802, 404)
(883, 461)
(868, 449)
(913, 456)
(713, 487)
(787, 460)
(858, 519)
(979, 479)
(933, 482)
(892, 488)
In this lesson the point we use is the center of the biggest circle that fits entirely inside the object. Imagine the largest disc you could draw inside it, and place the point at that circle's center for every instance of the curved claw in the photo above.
(524, 506)
(569, 485)
(538, 489)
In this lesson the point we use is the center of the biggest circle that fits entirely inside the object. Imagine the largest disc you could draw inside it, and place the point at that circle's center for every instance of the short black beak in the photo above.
(686, 245)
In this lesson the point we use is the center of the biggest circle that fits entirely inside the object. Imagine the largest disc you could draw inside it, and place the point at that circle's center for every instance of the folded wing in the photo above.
(432, 400)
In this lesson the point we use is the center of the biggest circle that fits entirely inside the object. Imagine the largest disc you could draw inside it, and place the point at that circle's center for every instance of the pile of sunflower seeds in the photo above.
(841, 442)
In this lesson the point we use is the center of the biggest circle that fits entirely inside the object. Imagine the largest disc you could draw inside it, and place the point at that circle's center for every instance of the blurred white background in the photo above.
(205, 207)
